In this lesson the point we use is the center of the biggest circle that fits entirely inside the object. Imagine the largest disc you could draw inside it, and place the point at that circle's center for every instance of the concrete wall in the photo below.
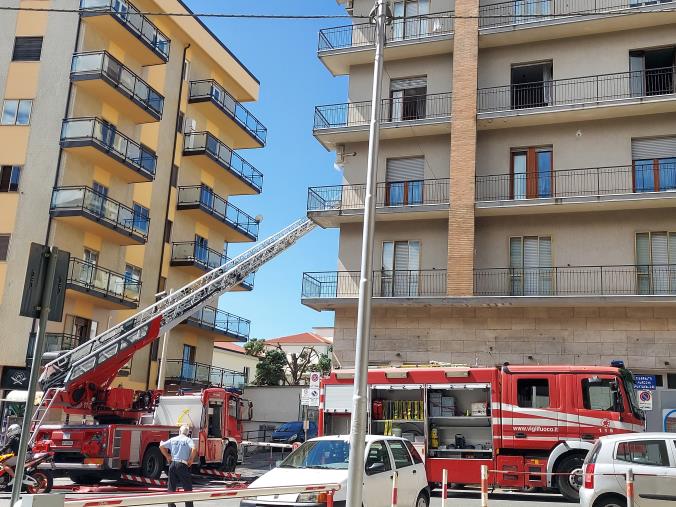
(272, 405)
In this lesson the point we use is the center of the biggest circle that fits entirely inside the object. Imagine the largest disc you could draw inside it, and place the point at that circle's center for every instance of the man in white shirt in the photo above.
(180, 452)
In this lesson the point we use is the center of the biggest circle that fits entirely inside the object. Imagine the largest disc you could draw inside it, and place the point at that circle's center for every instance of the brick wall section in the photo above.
(463, 150)
(643, 337)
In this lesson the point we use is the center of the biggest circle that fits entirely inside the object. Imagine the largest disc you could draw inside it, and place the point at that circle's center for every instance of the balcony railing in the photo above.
(133, 20)
(93, 131)
(578, 90)
(595, 181)
(221, 322)
(55, 342)
(99, 207)
(394, 194)
(527, 12)
(401, 29)
(192, 253)
(354, 114)
(197, 143)
(577, 281)
(101, 65)
(210, 90)
(203, 375)
(88, 277)
(345, 284)
(203, 197)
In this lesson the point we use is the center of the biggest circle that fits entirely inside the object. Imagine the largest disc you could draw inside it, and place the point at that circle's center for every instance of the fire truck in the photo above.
(531, 425)
(119, 429)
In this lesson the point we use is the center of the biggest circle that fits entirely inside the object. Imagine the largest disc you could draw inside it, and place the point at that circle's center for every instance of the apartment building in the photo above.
(526, 196)
(118, 142)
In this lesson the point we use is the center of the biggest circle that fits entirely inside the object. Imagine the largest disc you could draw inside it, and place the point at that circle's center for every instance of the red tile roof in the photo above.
(300, 339)
(231, 347)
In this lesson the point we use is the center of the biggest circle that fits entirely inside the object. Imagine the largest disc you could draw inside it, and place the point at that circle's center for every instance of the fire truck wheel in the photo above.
(569, 484)
(153, 463)
(229, 459)
(85, 479)
(423, 500)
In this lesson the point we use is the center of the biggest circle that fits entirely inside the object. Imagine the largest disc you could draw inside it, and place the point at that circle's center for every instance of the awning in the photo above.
(21, 396)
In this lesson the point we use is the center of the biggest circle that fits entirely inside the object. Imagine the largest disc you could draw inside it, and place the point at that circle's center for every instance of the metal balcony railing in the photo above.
(208, 89)
(221, 322)
(196, 143)
(101, 65)
(517, 13)
(354, 114)
(55, 342)
(104, 135)
(204, 375)
(103, 282)
(395, 194)
(133, 20)
(99, 207)
(201, 196)
(386, 283)
(594, 181)
(190, 252)
(401, 29)
(578, 90)
(624, 280)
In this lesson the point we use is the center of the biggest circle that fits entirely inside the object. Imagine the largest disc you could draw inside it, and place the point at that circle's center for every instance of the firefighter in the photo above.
(179, 451)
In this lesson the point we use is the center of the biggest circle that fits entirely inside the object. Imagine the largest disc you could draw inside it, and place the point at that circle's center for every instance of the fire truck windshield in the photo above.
(628, 382)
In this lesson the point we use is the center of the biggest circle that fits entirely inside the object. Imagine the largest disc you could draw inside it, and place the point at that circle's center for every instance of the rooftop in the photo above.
(301, 339)
(230, 347)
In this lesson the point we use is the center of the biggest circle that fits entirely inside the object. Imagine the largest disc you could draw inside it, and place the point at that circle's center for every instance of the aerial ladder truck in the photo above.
(120, 429)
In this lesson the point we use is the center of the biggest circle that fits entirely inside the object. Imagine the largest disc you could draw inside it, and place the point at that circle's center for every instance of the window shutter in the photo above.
(27, 49)
(660, 253)
(408, 83)
(401, 256)
(405, 169)
(531, 257)
(653, 147)
(545, 252)
(414, 255)
(643, 249)
(515, 253)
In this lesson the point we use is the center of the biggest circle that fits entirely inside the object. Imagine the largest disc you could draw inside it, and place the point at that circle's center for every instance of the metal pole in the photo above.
(484, 485)
(162, 369)
(355, 476)
(630, 488)
(39, 350)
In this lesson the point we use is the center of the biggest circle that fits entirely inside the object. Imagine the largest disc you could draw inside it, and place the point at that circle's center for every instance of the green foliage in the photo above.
(270, 368)
(255, 347)
(323, 365)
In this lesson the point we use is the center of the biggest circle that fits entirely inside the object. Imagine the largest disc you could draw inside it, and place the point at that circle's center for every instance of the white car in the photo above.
(325, 460)
(652, 458)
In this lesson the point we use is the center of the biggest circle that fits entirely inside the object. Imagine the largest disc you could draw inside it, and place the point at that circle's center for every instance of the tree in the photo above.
(298, 365)
(255, 347)
(275, 364)
(270, 368)
(323, 366)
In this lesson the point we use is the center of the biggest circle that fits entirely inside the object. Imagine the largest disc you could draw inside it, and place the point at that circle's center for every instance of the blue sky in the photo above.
(282, 55)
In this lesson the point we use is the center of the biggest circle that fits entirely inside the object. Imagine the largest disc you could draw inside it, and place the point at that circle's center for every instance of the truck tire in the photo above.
(85, 479)
(153, 463)
(229, 459)
(569, 485)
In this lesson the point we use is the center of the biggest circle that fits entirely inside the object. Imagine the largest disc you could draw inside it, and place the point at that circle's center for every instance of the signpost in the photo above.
(645, 400)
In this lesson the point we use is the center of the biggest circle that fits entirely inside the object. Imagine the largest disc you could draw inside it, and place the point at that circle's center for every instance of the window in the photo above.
(414, 453)
(597, 394)
(400, 454)
(179, 122)
(185, 71)
(377, 459)
(16, 112)
(643, 452)
(132, 274)
(201, 248)
(4, 246)
(654, 164)
(529, 10)
(214, 422)
(532, 85)
(530, 262)
(671, 380)
(656, 262)
(188, 366)
(408, 98)
(404, 181)
(9, 178)
(651, 71)
(173, 180)
(531, 173)
(168, 225)
(532, 393)
(141, 218)
(400, 274)
(410, 28)
(27, 49)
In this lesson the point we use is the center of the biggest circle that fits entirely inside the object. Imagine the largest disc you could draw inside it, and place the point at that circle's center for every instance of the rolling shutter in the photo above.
(408, 83)
(653, 147)
(405, 169)
(27, 49)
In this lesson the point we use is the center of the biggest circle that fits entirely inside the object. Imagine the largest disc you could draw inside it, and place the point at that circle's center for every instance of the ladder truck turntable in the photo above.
(129, 425)
(531, 425)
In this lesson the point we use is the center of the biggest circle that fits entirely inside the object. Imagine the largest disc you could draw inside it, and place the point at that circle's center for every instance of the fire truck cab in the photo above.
(526, 423)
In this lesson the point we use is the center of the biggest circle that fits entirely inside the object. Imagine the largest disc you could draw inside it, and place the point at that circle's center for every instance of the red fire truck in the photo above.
(526, 423)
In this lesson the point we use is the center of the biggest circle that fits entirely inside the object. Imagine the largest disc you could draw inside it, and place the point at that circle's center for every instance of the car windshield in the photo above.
(329, 454)
(290, 426)
(628, 380)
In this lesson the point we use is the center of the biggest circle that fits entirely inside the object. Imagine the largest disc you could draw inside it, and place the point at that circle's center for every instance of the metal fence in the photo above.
(106, 283)
(386, 283)
(388, 194)
(191, 252)
(414, 108)
(221, 321)
(55, 342)
(411, 28)
(578, 90)
(179, 370)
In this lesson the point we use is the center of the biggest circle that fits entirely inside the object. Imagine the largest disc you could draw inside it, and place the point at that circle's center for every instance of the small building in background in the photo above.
(232, 356)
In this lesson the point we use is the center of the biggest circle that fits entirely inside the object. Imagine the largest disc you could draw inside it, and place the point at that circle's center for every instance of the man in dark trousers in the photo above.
(179, 451)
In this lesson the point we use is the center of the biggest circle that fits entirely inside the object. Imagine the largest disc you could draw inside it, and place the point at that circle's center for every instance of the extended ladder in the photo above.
(100, 355)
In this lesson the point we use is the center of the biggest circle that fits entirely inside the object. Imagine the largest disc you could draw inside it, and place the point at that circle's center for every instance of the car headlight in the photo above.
(292, 437)
(312, 498)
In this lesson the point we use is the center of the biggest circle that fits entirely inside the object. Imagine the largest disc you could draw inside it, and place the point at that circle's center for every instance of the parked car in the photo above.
(325, 460)
(292, 431)
(652, 458)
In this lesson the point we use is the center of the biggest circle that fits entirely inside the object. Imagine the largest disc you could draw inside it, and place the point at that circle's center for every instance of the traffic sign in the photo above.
(645, 400)
(645, 382)
(314, 379)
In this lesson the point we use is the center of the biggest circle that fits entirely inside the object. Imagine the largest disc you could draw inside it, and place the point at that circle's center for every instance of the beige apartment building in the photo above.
(117, 143)
(526, 201)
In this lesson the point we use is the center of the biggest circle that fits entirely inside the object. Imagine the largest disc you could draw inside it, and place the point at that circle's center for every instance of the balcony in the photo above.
(108, 80)
(395, 200)
(423, 115)
(56, 342)
(93, 212)
(202, 202)
(181, 374)
(519, 22)
(221, 108)
(127, 28)
(220, 324)
(223, 163)
(411, 37)
(101, 144)
(102, 286)
(609, 188)
(578, 99)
